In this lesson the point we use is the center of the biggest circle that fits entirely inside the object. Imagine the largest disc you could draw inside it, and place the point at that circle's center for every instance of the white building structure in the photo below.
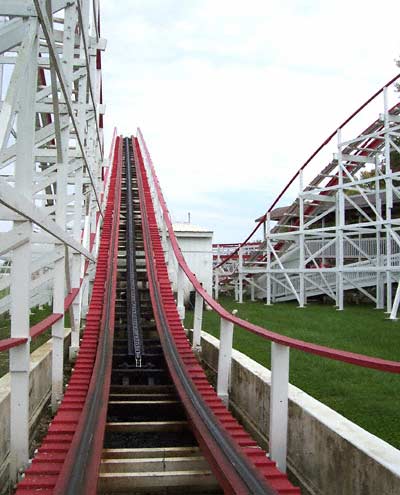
(196, 246)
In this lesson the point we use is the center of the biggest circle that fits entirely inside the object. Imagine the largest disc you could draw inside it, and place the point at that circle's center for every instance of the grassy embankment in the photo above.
(369, 398)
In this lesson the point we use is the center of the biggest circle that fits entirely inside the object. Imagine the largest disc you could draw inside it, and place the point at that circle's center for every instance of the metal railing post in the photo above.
(396, 302)
(224, 359)
(388, 205)
(20, 358)
(197, 322)
(278, 419)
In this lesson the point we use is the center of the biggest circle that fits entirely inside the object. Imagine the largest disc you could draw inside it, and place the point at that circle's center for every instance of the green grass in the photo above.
(369, 398)
(36, 316)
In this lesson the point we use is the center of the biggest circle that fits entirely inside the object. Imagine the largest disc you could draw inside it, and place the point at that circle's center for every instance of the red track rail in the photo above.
(165, 308)
(305, 164)
(56, 457)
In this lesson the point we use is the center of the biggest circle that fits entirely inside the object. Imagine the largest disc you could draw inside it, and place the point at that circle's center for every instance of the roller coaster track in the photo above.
(138, 413)
(135, 339)
(78, 429)
(368, 146)
(72, 455)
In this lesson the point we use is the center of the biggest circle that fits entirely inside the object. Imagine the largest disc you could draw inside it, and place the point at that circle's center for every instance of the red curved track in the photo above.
(369, 144)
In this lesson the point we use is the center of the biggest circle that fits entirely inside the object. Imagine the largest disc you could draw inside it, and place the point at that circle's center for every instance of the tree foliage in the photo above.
(394, 164)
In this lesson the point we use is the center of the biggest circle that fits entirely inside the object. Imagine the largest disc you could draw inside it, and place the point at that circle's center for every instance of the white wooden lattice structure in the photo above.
(51, 177)
(341, 232)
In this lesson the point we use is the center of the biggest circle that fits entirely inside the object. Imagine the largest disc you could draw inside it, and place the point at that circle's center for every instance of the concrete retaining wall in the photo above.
(40, 389)
(329, 454)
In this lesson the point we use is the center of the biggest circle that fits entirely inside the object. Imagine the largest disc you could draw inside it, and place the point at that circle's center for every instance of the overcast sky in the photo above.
(233, 96)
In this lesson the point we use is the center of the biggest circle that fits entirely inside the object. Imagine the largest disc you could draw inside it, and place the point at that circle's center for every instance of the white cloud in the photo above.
(233, 97)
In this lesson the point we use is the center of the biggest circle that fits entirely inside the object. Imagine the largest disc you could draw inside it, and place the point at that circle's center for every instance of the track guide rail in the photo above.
(134, 331)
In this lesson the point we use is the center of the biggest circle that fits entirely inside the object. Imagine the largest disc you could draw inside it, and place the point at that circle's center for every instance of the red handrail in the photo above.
(309, 159)
(49, 321)
(6, 344)
(44, 325)
(328, 352)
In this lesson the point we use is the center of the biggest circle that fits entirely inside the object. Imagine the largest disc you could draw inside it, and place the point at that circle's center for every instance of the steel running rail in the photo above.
(68, 460)
(239, 465)
(134, 331)
(303, 166)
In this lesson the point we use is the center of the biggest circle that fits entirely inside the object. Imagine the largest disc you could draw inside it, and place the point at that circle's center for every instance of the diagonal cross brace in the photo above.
(44, 21)
(15, 201)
